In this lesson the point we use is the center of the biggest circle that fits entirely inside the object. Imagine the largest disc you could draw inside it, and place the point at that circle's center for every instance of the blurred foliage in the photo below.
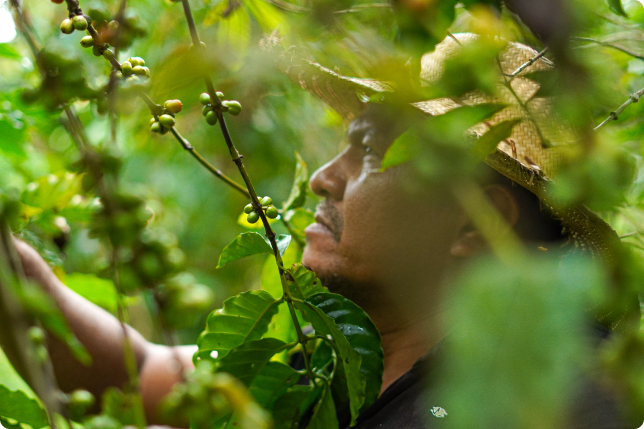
(166, 217)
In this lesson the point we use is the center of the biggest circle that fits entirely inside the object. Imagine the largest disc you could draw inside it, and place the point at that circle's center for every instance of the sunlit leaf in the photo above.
(95, 289)
(304, 282)
(251, 243)
(297, 197)
(243, 318)
(9, 51)
(18, 406)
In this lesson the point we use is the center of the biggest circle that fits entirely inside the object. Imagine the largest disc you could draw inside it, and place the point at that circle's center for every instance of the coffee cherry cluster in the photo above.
(267, 206)
(231, 106)
(76, 22)
(164, 122)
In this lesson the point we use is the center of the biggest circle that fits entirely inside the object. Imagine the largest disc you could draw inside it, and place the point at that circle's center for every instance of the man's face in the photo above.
(371, 229)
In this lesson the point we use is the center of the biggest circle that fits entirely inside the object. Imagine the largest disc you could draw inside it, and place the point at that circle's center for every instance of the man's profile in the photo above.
(398, 275)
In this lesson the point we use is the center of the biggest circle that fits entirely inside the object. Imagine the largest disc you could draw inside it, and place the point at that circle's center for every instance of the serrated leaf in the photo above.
(244, 317)
(616, 7)
(305, 283)
(324, 413)
(245, 361)
(488, 142)
(297, 197)
(271, 382)
(18, 406)
(363, 336)
(350, 359)
(251, 243)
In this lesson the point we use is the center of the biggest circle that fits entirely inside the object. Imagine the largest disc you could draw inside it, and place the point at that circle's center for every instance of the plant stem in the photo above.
(613, 116)
(257, 206)
(528, 63)
(609, 45)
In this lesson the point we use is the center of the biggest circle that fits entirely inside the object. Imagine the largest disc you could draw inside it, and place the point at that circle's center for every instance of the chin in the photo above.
(324, 263)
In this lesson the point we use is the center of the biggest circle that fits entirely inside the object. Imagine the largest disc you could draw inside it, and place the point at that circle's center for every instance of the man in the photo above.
(385, 246)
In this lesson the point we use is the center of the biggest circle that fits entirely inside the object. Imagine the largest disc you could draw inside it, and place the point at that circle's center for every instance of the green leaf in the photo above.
(235, 29)
(351, 359)
(616, 7)
(304, 282)
(251, 243)
(363, 336)
(12, 139)
(488, 142)
(297, 197)
(245, 361)
(271, 382)
(292, 405)
(453, 123)
(18, 406)
(95, 289)
(268, 16)
(9, 51)
(324, 413)
(243, 318)
(38, 303)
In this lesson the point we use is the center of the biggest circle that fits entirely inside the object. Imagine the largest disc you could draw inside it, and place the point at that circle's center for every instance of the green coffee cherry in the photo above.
(81, 398)
(108, 54)
(132, 80)
(136, 61)
(204, 99)
(155, 127)
(126, 68)
(147, 71)
(234, 108)
(205, 110)
(138, 70)
(113, 26)
(87, 42)
(96, 51)
(36, 335)
(266, 201)
(220, 95)
(167, 121)
(152, 120)
(173, 106)
(248, 208)
(79, 22)
(252, 217)
(271, 212)
(211, 118)
(67, 27)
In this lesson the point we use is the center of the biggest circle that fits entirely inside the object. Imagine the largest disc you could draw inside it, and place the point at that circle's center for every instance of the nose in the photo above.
(329, 181)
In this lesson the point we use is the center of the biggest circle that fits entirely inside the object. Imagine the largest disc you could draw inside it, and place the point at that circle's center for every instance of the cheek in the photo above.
(387, 232)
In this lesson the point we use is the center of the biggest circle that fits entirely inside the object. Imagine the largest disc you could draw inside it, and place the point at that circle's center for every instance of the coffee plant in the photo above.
(291, 354)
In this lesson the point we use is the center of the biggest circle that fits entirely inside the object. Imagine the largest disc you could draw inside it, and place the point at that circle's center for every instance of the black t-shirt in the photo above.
(408, 403)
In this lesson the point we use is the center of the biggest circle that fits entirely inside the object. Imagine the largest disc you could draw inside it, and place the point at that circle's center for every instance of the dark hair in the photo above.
(536, 222)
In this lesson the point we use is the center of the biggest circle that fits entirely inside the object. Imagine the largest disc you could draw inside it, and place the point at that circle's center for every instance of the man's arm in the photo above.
(102, 335)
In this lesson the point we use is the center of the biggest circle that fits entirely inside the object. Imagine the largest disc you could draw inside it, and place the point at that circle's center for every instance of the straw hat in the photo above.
(523, 157)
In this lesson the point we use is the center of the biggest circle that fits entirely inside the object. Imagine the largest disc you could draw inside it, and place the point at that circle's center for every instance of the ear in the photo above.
(470, 241)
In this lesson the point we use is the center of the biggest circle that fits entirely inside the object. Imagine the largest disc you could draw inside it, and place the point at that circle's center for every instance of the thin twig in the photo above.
(630, 234)
(613, 116)
(609, 45)
(257, 206)
(528, 63)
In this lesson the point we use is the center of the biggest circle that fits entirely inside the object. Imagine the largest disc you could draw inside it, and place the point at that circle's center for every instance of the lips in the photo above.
(320, 228)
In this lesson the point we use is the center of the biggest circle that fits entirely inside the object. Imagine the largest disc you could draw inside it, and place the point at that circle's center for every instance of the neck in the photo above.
(403, 344)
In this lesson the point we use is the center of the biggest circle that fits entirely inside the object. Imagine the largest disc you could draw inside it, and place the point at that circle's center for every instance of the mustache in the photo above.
(328, 215)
